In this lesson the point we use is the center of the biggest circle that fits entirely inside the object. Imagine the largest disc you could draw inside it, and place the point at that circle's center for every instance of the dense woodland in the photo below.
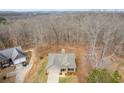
(103, 33)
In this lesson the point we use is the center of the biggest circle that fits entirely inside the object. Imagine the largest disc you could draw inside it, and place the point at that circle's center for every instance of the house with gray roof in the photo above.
(12, 56)
(62, 62)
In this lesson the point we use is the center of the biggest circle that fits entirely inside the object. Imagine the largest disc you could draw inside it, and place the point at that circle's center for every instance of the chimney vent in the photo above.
(63, 51)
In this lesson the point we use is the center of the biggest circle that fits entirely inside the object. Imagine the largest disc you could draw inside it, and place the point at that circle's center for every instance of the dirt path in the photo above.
(34, 67)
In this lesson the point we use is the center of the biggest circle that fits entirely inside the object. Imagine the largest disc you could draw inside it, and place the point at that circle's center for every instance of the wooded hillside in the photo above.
(76, 28)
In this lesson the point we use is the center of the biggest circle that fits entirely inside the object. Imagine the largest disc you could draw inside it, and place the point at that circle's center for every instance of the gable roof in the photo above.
(60, 60)
(2, 57)
(11, 53)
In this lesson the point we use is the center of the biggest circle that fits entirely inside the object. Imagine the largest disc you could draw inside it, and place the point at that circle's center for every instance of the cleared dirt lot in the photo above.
(42, 52)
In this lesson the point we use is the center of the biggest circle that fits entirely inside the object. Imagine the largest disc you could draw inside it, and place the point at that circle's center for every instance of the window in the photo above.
(63, 69)
(60, 73)
(70, 69)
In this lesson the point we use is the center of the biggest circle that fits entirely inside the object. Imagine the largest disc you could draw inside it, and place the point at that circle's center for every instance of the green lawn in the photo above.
(66, 79)
(28, 60)
(40, 75)
(28, 57)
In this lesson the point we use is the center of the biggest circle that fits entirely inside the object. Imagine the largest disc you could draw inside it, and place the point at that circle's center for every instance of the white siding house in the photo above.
(65, 62)
(19, 60)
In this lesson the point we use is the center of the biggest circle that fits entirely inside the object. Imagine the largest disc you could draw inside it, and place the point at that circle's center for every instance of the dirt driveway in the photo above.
(21, 72)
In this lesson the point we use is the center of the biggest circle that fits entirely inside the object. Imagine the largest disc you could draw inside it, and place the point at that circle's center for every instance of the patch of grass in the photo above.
(65, 79)
(121, 63)
(40, 75)
(28, 60)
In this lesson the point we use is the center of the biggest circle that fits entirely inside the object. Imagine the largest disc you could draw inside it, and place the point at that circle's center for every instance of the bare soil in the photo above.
(3, 73)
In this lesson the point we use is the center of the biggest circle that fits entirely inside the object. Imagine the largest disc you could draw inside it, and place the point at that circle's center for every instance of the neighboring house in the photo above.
(12, 56)
(62, 62)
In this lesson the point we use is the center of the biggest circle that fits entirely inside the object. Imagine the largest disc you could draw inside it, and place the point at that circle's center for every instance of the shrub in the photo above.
(2, 20)
(103, 76)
